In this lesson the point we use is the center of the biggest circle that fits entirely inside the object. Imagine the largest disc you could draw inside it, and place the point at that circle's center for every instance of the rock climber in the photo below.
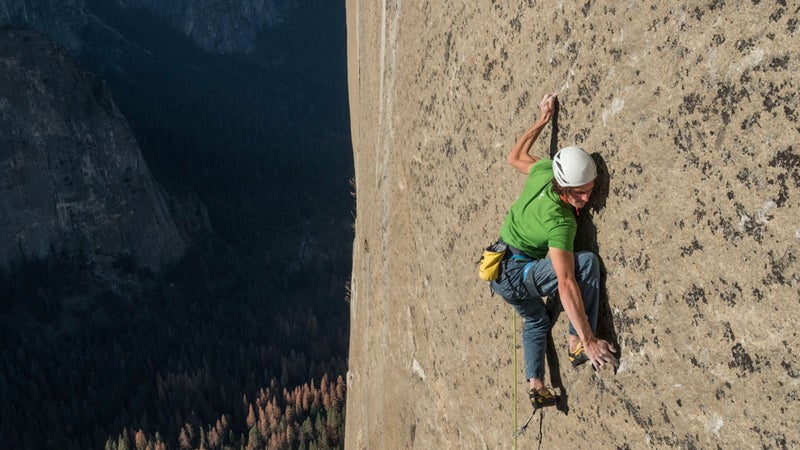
(539, 232)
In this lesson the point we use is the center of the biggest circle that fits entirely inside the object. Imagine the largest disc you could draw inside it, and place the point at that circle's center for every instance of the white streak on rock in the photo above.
(417, 369)
(616, 106)
(714, 424)
(762, 215)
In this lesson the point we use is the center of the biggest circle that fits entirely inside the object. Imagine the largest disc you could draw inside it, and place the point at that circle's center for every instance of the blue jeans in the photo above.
(523, 283)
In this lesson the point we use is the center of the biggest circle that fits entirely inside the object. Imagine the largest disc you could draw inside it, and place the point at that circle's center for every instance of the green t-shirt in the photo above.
(539, 219)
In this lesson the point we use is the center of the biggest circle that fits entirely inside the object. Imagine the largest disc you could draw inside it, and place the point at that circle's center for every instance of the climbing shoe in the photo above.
(541, 400)
(579, 356)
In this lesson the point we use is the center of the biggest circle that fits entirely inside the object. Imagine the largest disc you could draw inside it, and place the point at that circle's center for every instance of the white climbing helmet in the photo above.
(572, 166)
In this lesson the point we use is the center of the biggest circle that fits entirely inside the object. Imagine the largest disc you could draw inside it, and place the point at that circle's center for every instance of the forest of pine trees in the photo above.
(304, 418)
(198, 358)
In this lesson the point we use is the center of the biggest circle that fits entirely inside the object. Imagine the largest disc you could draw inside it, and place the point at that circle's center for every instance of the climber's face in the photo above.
(579, 196)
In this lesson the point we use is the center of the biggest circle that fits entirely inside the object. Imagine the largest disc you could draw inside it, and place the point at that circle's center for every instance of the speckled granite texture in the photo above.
(691, 111)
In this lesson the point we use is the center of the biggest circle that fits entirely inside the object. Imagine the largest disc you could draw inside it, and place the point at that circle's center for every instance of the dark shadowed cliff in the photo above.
(692, 110)
(227, 26)
(235, 345)
(217, 26)
(73, 179)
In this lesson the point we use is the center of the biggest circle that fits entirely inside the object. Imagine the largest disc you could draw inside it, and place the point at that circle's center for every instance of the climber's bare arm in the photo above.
(520, 157)
(599, 351)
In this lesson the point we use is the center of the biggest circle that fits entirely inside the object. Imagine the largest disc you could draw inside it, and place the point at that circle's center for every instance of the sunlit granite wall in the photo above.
(692, 113)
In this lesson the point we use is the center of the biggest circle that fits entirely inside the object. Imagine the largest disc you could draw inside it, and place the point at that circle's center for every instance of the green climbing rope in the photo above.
(514, 350)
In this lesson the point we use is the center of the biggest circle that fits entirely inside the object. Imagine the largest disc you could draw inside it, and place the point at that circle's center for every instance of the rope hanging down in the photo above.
(514, 351)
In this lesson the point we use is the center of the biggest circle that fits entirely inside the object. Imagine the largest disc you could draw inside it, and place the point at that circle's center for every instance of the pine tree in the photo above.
(254, 439)
(288, 436)
(124, 441)
(263, 421)
(203, 440)
(184, 440)
(251, 417)
(333, 426)
(140, 440)
(307, 397)
(307, 431)
(340, 390)
(213, 438)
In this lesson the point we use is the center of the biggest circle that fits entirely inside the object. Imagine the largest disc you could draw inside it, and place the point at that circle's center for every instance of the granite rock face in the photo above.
(62, 20)
(692, 112)
(218, 26)
(72, 178)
